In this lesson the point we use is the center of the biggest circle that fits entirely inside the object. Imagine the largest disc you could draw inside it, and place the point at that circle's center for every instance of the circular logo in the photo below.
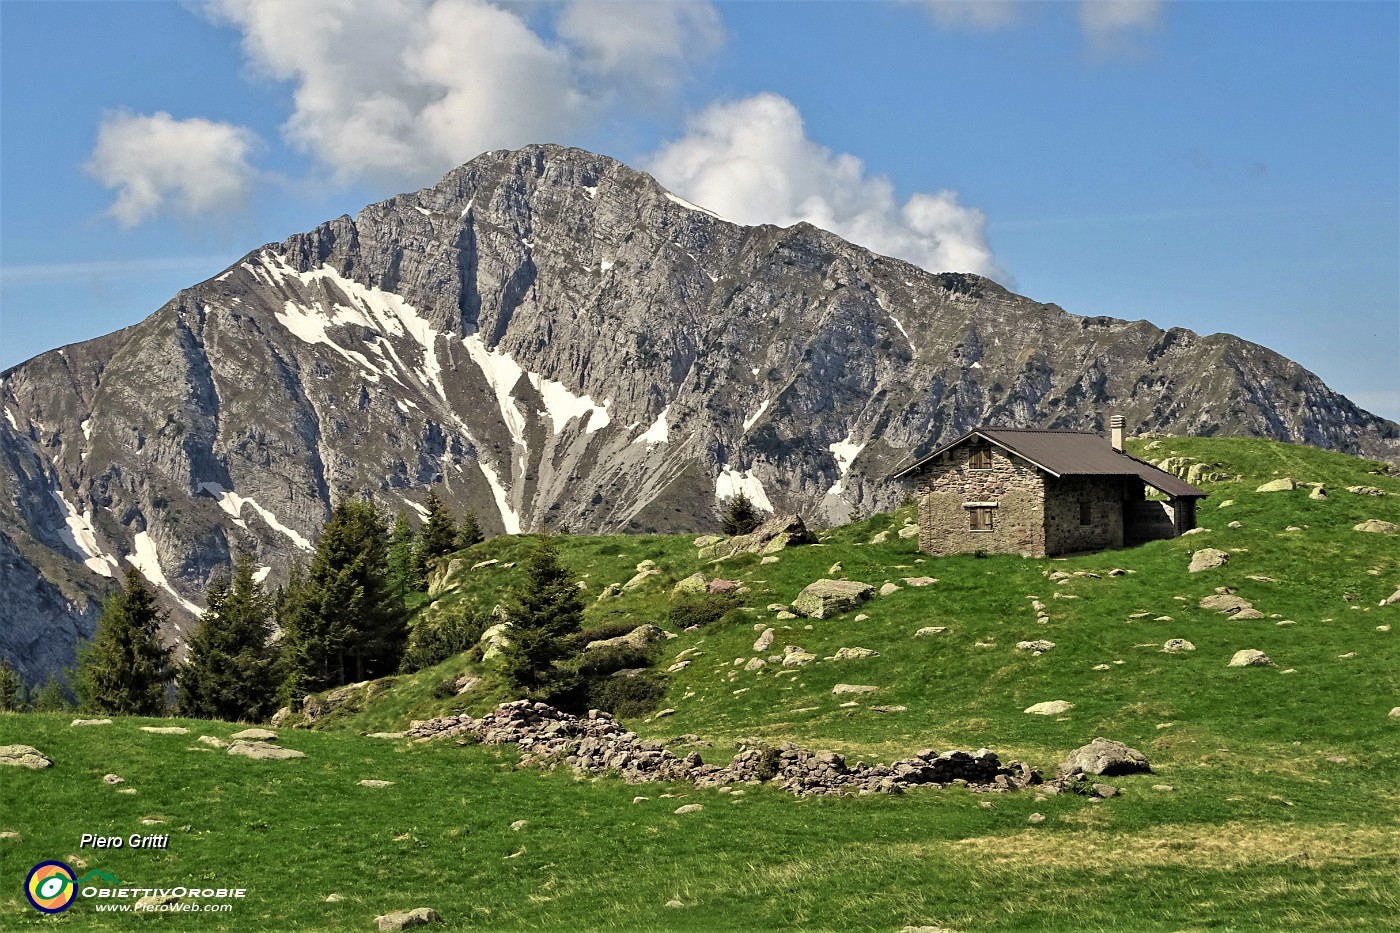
(50, 887)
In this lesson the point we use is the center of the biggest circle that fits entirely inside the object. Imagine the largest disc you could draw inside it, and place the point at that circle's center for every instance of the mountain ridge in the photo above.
(556, 341)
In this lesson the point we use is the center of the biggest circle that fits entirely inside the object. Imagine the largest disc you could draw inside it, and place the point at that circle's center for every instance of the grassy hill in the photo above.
(1282, 812)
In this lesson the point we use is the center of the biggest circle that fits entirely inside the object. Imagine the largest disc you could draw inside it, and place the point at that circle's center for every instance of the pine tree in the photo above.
(740, 517)
(403, 568)
(231, 670)
(342, 620)
(545, 609)
(51, 697)
(125, 669)
(438, 536)
(469, 532)
(11, 688)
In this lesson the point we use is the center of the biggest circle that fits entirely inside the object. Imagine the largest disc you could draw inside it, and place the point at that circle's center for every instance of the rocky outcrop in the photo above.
(449, 337)
(823, 599)
(551, 739)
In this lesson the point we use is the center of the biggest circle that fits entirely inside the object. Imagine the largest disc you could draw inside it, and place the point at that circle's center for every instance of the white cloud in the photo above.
(157, 163)
(641, 47)
(399, 91)
(1104, 22)
(973, 14)
(751, 161)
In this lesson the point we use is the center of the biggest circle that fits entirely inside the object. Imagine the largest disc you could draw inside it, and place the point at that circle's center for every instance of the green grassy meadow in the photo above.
(1283, 812)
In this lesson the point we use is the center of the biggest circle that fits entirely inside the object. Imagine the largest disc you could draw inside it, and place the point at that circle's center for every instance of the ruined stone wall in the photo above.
(1017, 488)
(1064, 530)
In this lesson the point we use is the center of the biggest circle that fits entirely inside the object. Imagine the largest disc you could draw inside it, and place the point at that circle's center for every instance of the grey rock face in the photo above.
(553, 340)
(1107, 757)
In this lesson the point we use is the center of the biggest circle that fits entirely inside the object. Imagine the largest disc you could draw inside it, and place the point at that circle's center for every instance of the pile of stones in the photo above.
(549, 738)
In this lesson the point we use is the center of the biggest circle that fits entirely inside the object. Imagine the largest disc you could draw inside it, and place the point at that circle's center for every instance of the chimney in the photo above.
(1115, 425)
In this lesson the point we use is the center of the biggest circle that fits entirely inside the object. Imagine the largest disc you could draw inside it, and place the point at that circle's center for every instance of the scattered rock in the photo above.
(1163, 788)
(1039, 646)
(23, 756)
(919, 581)
(407, 919)
(9, 834)
(840, 689)
(690, 808)
(1104, 790)
(1395, 713)
(639, 580)
(888, 588)
(166, 730)
(909, 531)
(785, 614)
(640, 638)
(796, 657)
(256, 735)
(707, 540)
(262, 751)
(611, 591)
(695, 583)
(386, 735)
(718, 585)
(1375, 526)
(1365, 490)
(1259, 578)
(764, 640)
(834, 569)
(373, 782)
(1103, 667)
(777, 533)
(930, 630)
(1050, 708)
(1279, 485)
(334, 898)
(518, 825)
(1036, 818)
(1105, 757)
(674, 904)
(281, 718)
(153, 902)
(860, 618)
(826, 598)
(1250, 657)
(485, 563)
(1208, 558)
(853, 654)
(1234, 525)
(1176, 645)
(113, 779)
(90, 722)
(677, 667)
(1319, 492)
(1225, 603)
(1225, 503)
(754, 664)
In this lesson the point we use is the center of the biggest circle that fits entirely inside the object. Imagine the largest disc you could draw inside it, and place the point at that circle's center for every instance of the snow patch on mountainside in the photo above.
(146, 561)
(731, 482)
(751, 420)
(232, 503)
(502, 373)
(845, 453)
(563, 406)
(693, 207)
(509, 517)
(79, 536)
(659, 432)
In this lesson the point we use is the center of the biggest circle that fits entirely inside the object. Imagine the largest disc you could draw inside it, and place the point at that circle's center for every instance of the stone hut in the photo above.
(1039, 492)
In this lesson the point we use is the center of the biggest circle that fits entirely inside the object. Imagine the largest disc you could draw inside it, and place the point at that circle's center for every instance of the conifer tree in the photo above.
(342, 620)
(740, 517)
(438, 536)
(51, 697)
(403, 567)
(469, 532)
(125, 669)
(231, 670)
(11, 688)
(542, 611)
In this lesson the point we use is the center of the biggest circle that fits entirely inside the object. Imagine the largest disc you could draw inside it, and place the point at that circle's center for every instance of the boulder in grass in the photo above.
(1251, 657)
(90, 722)
(23, 756)
(1105, 757)
(1375, 526)
(695, 583)
(1207, 559)
(826, 598)
(407, 919)
(1050, 708)
(256, 735)
(1278, 485)
(166, 730)
(262, 751)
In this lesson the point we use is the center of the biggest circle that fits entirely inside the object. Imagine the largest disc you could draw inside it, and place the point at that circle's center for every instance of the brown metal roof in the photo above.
(1070, 453)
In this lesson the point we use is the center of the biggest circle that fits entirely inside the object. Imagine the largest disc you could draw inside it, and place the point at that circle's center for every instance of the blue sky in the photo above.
(1212, 165)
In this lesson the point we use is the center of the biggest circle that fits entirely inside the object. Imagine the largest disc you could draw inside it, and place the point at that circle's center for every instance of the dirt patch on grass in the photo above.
(1225, 846)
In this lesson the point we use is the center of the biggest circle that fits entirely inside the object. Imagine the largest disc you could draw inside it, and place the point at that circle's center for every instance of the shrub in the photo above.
(433, 642)
(700, 609)
(627, 696)
(740, 517)
(601, 661)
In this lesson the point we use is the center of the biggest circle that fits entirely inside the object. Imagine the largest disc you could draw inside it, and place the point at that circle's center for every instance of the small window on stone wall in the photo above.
(1086, 514)
(980, 518)
(981, 458)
